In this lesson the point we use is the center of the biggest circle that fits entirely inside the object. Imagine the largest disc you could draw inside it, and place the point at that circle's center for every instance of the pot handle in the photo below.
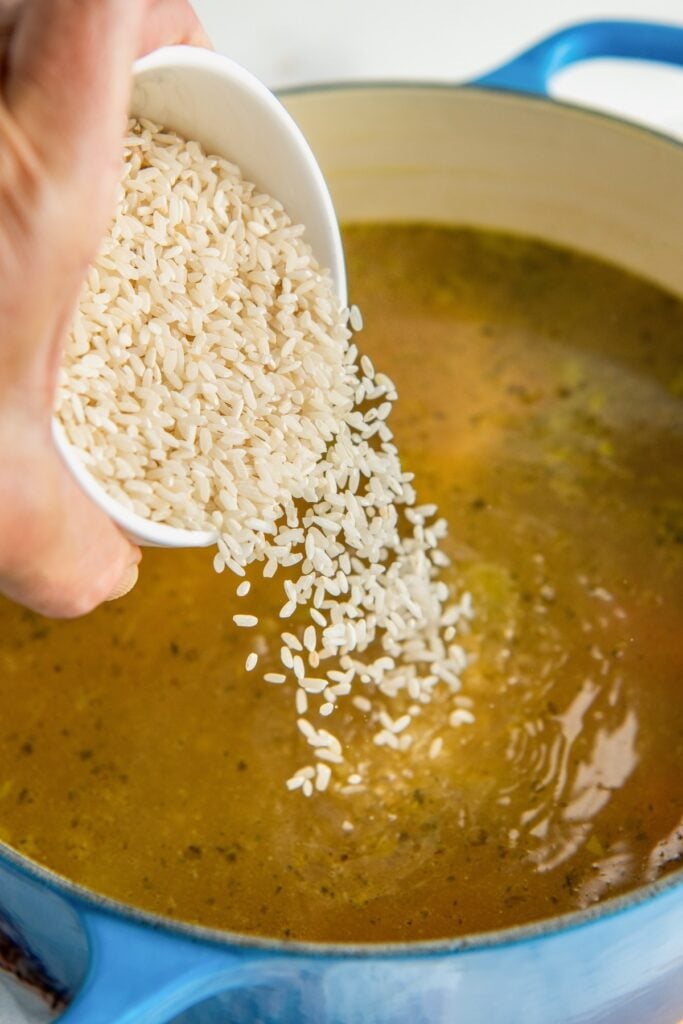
(532, 70)
(139, 975)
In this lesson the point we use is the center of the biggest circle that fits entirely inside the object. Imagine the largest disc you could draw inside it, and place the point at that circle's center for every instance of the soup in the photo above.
(540, 407)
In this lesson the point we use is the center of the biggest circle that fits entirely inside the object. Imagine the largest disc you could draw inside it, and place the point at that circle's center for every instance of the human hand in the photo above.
(65, 69)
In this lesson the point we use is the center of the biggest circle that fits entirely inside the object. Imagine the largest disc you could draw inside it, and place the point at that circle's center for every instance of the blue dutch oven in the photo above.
(495, 153)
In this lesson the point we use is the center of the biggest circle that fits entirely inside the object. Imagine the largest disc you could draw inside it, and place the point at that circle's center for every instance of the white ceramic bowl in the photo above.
(210, 98)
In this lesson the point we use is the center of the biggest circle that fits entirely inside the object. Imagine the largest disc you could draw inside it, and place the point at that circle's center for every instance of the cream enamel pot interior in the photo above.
(473, 156)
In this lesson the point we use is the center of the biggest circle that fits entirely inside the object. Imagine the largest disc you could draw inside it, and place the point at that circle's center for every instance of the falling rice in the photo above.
(246, 621)
(211, 381)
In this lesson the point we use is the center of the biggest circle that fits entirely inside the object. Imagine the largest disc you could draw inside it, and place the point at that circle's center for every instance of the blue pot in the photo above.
(488, 155)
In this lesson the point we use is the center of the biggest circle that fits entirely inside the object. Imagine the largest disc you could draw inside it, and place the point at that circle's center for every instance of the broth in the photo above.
(540, 408)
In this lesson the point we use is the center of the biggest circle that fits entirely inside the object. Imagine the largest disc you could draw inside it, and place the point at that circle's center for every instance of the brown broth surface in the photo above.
(540, 406)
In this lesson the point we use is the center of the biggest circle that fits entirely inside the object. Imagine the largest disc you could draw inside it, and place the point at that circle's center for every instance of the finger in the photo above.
(67, 557)
(171, 22)
(68, 81)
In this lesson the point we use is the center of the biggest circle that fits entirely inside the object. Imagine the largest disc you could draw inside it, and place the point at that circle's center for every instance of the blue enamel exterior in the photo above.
(622, 964)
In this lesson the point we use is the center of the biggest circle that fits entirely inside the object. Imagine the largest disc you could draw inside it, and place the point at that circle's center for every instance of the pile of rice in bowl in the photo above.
(211, 381)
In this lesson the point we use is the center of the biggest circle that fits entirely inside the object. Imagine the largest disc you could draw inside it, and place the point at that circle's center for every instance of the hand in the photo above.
(65, 69)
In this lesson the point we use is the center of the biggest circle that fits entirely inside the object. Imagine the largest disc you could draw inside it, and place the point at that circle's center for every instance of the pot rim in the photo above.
(427, 85)
(479, 941)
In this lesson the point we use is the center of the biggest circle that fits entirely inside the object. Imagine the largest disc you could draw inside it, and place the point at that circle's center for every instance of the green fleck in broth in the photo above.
(540, 407)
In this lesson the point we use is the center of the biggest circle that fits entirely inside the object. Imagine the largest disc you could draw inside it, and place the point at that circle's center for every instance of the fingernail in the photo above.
(125, 584)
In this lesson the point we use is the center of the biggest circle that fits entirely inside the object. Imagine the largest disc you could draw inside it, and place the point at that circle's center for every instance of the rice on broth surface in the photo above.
(210, 380)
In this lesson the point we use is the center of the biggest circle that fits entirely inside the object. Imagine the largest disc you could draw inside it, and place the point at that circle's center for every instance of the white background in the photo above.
(293, 42)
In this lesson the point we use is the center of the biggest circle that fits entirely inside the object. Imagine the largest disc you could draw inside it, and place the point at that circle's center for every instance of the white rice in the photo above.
(210, 380)
(461, 716)
(355, 319)
(245, 621)
(435, 747)
(275, 677)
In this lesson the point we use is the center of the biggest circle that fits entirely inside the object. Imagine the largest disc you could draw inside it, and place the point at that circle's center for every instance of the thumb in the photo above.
(62, 556)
